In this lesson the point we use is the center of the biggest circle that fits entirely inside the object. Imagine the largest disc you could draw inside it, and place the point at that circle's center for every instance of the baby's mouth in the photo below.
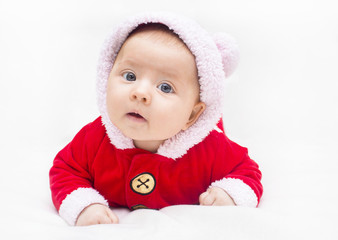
(136, 116)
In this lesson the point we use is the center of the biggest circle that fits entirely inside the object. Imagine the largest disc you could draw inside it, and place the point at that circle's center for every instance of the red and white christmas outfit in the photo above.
(101, 165)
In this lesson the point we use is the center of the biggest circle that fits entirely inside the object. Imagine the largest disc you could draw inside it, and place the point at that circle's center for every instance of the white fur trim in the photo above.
(240, 192)
(213, 67)
(76, 201)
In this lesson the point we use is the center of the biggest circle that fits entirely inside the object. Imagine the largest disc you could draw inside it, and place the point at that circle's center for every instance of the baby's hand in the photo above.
(216, 196)
(96, 214)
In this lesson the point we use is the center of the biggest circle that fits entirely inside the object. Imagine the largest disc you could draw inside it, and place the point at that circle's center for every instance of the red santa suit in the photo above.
(101, 165)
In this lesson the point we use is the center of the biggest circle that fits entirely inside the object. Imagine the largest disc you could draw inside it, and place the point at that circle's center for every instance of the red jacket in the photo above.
(136, 178)
(101, 164)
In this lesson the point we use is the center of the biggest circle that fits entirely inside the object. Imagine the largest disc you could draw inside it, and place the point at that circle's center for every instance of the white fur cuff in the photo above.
(240, 192)
(76, 201)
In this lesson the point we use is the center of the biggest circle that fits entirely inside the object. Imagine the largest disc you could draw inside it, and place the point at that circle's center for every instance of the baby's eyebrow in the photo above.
(128, 62)
(133, 63)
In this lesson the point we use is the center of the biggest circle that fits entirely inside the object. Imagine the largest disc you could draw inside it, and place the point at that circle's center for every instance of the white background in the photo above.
(281, 102)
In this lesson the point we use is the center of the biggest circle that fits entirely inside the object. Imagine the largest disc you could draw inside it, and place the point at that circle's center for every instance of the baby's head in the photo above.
(155, 77)
(160, 83)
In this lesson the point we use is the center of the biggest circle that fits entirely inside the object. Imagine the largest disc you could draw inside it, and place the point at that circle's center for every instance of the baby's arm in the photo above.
(236, 174)
(72, 183)
(96, 214)
(216, 196)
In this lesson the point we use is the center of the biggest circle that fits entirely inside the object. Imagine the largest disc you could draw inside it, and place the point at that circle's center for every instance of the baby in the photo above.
(159, 140)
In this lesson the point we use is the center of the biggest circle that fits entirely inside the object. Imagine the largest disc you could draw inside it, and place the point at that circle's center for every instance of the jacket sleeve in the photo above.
(71, 181)
(242, 180)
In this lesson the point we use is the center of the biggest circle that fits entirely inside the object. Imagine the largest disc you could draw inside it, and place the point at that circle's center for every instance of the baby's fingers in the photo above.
(207, 199)
(104, 220)
(112, 216)
(221, 197)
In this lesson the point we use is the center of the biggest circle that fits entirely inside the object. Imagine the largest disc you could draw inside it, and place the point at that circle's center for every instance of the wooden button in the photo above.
(138, 206)
(143, 183)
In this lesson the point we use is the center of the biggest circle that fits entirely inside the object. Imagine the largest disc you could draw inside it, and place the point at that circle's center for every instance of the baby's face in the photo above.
(153, 91)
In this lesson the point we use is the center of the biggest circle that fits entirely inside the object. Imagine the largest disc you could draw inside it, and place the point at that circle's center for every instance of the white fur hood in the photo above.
(216, 57)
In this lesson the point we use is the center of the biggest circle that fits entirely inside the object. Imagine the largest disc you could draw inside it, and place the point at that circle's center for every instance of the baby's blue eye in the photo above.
(129, 76)
(166, 88)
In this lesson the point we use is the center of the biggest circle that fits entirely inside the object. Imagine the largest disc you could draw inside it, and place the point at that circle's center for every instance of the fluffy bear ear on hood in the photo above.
(228, 48)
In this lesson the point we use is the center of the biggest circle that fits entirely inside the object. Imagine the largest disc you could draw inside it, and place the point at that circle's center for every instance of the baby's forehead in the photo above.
(158, 33)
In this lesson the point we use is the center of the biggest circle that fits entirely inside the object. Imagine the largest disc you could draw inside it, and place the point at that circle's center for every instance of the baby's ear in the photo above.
(229, 52)
(195, 114)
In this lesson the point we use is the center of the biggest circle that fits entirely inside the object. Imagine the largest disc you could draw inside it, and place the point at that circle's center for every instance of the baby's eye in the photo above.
(166, 88)
(129, 76)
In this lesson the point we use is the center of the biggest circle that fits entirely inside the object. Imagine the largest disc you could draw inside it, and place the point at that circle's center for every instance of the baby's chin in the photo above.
(143, 136)
(148, 145)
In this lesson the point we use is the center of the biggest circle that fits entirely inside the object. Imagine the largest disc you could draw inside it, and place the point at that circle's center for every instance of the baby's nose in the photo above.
(141, 94)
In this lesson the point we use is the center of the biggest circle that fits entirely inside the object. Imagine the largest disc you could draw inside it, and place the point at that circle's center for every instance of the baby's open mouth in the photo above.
(135, 115)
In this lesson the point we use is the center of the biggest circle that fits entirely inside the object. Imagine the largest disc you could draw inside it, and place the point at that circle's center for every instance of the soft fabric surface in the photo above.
(281, 103)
